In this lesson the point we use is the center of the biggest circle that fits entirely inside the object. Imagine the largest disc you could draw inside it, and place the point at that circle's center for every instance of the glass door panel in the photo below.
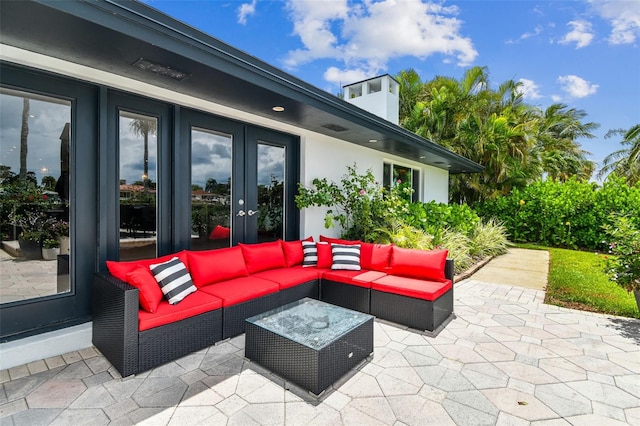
(34, 195)
(211, 171)
(138, 145)
(270, 191)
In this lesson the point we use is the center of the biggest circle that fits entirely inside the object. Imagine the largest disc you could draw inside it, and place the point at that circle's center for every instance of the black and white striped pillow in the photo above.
(174, 279)
(310, 254)
(346, 257)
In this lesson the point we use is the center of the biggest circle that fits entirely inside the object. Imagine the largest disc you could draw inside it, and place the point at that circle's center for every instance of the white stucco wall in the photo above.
(321, 156)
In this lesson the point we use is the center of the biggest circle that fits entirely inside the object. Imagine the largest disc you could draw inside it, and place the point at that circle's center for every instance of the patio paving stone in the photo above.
(506, 359)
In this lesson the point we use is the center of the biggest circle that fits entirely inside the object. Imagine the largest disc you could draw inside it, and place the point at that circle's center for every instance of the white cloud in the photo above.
(581, 34)
(624, 17)
(556, 98)
(342, 77)
(246, 9)
(529, 89)
(364, 37)
(577, 87)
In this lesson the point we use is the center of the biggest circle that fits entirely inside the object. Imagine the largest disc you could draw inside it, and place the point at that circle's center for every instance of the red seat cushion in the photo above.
(412, 287)
(293, 252)
(212, 266)
(197, 303)
(121, 269)
(289, 277)
(338, 241)
(149, 293)
(240, 290)
(263, 256)
(220, 233)
(357, 278)
(375, 257)
(424, 264)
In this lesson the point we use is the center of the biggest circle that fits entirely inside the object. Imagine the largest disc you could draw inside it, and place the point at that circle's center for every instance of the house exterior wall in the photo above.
(321, 156)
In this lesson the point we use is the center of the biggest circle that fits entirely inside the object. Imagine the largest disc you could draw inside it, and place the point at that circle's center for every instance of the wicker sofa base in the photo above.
(160, 345)
(309, 289)
(345, 295)
(415, 313)
(234, 316)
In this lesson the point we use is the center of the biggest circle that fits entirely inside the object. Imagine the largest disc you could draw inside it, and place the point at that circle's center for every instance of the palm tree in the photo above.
(24, 136)
(624, 162)
(144, 127)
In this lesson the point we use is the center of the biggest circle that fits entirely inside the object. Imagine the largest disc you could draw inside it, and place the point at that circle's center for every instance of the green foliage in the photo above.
(515, 142)
(558, 214)
(624, 244)
(359, 204)
(365, 211)
(405, 236)
(49, 243)
(577, 280)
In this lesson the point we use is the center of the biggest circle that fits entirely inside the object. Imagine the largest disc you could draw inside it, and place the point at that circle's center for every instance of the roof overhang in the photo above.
(113, 36)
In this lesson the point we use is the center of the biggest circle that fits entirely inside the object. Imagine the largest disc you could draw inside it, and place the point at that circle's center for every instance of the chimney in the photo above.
(378, 95)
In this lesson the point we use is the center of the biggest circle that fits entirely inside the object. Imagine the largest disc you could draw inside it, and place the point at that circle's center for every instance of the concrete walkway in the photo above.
(506, 359)
(529, 267)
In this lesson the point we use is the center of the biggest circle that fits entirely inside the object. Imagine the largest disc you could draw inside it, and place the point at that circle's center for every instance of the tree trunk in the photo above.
(24, 136)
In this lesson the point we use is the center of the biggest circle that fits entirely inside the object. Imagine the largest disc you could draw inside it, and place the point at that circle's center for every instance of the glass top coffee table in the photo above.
(309, 342)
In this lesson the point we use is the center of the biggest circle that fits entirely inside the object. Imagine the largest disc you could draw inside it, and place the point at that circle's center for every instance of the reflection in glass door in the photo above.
(138, 144)
(211, 170)
(34, 195)
(270, 191)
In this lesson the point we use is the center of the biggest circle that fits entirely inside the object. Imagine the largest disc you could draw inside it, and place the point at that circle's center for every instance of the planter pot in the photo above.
(64, 245)
(50, 253)
(30, 249)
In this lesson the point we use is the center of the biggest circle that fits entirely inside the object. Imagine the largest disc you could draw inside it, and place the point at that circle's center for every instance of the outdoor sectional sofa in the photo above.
(136, 328)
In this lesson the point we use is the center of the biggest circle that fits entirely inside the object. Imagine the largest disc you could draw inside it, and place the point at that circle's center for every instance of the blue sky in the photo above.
(582, 53)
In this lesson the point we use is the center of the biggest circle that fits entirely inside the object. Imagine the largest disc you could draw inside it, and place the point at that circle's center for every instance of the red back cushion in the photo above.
(121, 269)
(212, 266)
(338, 241)
(149, 293)
(425, 264)
(375, 257)
(293, 252)
(263, 256)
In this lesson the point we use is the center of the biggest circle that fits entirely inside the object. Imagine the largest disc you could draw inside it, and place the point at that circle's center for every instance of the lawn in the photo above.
(577, 280)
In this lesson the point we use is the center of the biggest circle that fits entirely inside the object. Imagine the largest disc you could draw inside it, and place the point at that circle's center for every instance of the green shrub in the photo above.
(405, 236)
(459, 246)
(569, 214)
(488, 239)
(624, 244)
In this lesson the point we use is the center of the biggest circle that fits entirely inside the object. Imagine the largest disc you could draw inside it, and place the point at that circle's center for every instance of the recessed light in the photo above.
(423, 156)
(373, 140)
(278, 108)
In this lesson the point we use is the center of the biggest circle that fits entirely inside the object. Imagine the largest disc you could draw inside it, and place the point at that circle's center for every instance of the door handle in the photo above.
(241, 213)
(251, 212)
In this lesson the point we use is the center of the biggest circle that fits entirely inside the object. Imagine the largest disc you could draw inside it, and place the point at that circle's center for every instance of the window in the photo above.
(394, 174)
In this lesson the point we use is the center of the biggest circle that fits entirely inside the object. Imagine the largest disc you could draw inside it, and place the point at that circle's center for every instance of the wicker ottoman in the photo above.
(309, 342)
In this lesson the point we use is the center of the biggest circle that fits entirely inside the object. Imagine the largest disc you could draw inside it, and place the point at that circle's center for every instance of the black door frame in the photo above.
(34, 316)
(244, 175)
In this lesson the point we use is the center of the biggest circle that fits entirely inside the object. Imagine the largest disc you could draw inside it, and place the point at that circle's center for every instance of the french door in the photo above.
(242, 183)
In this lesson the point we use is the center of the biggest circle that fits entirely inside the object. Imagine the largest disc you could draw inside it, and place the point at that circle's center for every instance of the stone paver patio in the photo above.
(507, 359)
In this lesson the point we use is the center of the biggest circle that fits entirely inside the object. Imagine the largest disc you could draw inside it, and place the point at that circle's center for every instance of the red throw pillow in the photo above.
(338, 241)
(263, 256)
(220, 233)
(121, 269)
(212, 266)
(375, 257)
(325, 255)
(149, 293)
(293, 252)
(424, 264)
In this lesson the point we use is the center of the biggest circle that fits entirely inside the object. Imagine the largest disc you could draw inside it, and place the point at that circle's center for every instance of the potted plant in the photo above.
(31, 223)
(50, 249)
(624, 266)
(60, 229)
